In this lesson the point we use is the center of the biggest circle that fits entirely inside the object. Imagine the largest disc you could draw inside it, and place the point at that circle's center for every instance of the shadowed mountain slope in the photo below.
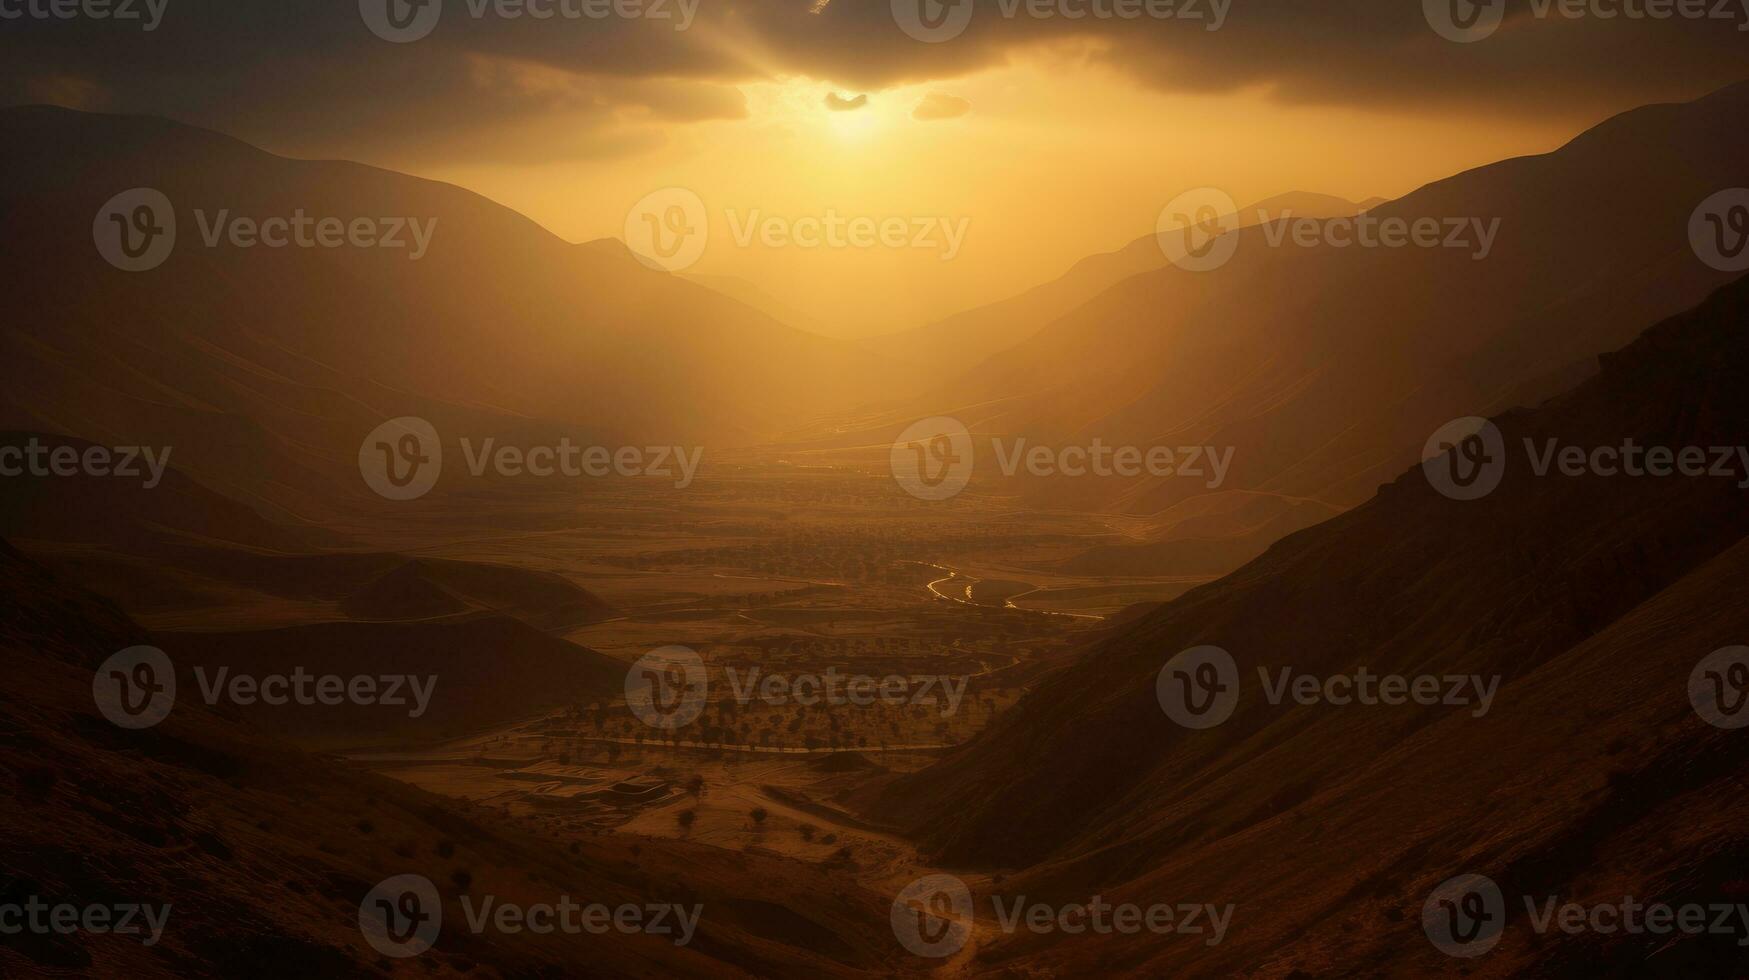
(940, 351)
(267, 366)
(1324, 368)
(162, 543)
(1592, 598)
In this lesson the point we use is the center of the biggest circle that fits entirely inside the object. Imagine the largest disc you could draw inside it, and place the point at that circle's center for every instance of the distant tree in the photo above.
(758, 814)
(687, 818)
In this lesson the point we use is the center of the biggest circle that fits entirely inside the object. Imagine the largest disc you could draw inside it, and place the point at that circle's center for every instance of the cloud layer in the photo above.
(317, 74)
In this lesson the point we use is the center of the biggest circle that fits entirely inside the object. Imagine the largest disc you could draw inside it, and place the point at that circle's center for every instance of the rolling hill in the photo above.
(264, 852)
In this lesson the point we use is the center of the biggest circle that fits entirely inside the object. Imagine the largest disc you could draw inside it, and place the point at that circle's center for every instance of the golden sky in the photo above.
(1046, 139)
(1056, 158)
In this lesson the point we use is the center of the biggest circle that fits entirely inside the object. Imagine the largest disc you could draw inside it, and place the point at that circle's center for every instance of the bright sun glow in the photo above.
(1046, 163)
(802, 104)
(856, 125)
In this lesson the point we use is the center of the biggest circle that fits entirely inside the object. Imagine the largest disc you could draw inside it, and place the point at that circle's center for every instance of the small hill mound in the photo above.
(844, 762)
(404, 594)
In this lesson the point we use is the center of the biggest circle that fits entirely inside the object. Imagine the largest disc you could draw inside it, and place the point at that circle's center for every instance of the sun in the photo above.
(855, 125)
(806, 105)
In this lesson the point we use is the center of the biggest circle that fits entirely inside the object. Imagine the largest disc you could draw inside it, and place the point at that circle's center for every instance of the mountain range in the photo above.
(1575, 606)
(1325, 367)
(269, 366)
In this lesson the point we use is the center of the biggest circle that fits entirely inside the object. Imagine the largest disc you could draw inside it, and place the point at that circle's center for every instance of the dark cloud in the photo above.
(312, 78)
(298, 74)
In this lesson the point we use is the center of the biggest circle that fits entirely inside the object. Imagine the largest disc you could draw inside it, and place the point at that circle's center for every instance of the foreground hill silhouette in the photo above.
(264, 852)
(1591, 776)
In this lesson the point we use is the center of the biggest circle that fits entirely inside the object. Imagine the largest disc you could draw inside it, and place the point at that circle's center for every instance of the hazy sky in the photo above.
(1017, 145)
